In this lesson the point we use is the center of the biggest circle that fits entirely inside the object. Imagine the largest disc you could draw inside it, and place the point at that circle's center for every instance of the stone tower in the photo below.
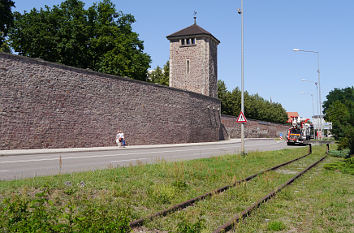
(193, 60)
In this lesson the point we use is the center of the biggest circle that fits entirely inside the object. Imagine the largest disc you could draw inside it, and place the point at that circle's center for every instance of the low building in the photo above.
(291, 116)
(318, 120)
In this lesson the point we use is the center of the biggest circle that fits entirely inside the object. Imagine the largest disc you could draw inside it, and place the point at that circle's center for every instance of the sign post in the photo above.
(240, 12)
(242, 119)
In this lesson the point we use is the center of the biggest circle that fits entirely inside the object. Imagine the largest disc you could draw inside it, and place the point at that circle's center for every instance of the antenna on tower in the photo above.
(195, 17)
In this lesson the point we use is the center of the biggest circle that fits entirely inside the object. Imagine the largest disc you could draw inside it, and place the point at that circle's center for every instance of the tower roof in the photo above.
(192, 30)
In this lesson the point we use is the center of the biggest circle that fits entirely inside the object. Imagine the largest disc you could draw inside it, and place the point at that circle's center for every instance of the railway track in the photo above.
(228, 226)
(244, 214)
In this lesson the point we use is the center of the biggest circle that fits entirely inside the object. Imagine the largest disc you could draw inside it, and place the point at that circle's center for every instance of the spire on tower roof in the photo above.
(192, 30)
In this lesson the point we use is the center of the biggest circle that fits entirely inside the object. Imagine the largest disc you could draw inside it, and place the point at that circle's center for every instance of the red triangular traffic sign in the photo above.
(241, 118)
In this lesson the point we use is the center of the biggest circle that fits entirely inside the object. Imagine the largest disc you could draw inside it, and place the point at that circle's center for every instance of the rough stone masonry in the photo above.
(48, 105)
(193, 60)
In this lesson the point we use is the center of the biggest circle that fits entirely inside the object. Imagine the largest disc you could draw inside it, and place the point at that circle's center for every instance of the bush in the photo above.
(339, 153)
(339, 109)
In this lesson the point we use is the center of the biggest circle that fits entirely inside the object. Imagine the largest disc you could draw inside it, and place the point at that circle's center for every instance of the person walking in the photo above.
(120, 139)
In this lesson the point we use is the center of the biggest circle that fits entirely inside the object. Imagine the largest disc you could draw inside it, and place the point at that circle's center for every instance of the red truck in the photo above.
(300, 132)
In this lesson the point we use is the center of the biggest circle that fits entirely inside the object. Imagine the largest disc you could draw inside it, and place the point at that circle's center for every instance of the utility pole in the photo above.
(319, 92)
(240, 12)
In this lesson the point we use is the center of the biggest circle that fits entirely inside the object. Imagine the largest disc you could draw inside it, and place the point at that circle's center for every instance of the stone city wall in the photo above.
(48, 105)
(253, 128)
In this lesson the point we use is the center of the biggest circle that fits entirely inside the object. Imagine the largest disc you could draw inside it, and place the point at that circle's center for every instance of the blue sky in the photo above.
(272, 29)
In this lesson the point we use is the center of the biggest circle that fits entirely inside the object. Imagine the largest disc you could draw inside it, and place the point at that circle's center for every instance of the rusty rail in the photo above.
(227, 226)
(190, 202)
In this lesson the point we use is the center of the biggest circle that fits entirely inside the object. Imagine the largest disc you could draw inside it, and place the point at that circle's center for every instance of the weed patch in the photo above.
(346, 166)
(107, 200)
(340, 153)
(162, 193)
(276, 226)
(40, 214)
(185, 226)
(180, 184)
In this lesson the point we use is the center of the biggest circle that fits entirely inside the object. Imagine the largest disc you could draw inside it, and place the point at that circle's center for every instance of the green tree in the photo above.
(166, 72)
(160, 76)
(255, 106)
(343, 95)
(235, 102)
(6, 21)
(339, 109)
(225, 97)
(99, 38)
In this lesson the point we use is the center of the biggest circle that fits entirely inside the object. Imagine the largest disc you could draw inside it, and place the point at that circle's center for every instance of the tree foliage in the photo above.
(99, 38)
(344, 95)
(6, 21)
(160, 76)
(6, 16)
(255, 106)
(339, 109)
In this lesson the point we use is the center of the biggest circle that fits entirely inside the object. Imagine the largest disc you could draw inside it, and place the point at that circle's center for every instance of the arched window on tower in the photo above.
(188, 41)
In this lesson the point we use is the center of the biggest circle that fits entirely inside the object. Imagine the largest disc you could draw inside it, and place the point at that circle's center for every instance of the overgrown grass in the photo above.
(320, 201)
(106, 200)
(340, 153)
(345, 165)
(276, 226)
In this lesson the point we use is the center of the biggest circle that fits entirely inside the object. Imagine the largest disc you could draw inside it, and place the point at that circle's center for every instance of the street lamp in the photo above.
(316, 84)
(313, 105)
(318, 107)
(318, 81)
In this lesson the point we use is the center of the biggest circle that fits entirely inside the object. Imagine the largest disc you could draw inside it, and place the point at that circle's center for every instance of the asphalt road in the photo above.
(42, 164)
